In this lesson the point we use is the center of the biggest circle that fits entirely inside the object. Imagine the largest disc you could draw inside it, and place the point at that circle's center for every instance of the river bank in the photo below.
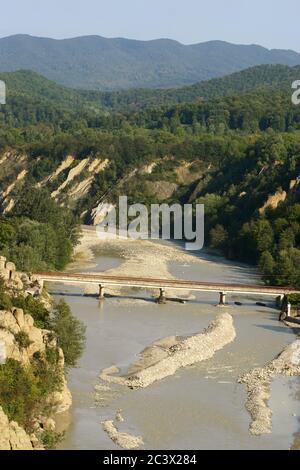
(202, 405)
(139, 257)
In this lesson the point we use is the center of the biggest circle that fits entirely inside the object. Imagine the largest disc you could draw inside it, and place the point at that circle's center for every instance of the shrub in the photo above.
(5, 301)
(294, 299)
(218, 237)
(19, 393)
(23, 340)
(35, 308)
(24, 390)
(50, 439)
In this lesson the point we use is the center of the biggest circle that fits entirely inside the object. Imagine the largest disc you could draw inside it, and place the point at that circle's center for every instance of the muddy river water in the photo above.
(200, 407)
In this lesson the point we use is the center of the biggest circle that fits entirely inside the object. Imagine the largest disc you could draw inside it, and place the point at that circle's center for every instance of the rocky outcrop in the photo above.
(294, 190)
(274, 200)
(19, 283)
(161, 189)
(20, 340)
(68, 182)
(19, 177)
(65, 164)
(294, 183)
(78, 180)
(11, 324)
(148, 169)
(100, 212)
(12, 436)
(14, 322)
(72, 174)
(187, 173)
(13, 171)
(80, 188)
(11, 277)
(61, 400)
(8, 206)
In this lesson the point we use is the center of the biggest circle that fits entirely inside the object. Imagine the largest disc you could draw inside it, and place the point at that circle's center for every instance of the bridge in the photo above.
(103, 281)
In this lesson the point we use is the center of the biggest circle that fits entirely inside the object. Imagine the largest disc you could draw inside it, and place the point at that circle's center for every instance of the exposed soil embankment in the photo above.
(258, 383)
(164, 358)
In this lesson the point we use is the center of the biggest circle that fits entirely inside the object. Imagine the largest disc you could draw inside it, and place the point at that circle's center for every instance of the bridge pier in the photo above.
(286, 309)
(162, 296)
(222, 302)
(101, 291)
(286, 312)
(279, 301)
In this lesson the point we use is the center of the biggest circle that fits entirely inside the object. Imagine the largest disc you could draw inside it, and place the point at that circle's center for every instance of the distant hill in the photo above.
(94, 62)
(32, 98)
(261, 76)
(27, 83)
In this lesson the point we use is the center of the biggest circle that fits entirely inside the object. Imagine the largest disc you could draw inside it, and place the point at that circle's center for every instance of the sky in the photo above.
(270, 23)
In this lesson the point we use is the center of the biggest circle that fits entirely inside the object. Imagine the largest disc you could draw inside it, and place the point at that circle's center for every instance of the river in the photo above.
(200, 407)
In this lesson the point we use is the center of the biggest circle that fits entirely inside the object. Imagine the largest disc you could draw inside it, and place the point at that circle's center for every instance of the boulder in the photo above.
(2, 351)
(19, 316)
(5, 274)
(10, 266)
(14, 322)
(62, 399)
(8, 322)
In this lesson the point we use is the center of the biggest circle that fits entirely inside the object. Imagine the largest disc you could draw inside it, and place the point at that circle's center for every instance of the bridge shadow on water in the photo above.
(248, 303)
(132, 297)
(106, 296)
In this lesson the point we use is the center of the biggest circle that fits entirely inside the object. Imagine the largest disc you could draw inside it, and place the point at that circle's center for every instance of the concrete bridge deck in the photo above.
(103, 281)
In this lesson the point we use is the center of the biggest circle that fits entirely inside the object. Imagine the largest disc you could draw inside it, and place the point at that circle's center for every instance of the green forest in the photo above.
(38, 234)
(241, 131)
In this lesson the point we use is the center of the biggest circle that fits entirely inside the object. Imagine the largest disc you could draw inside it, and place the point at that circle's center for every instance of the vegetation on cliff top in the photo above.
(68, 330)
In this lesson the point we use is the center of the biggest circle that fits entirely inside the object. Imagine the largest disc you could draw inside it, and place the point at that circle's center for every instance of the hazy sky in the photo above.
(271, 23)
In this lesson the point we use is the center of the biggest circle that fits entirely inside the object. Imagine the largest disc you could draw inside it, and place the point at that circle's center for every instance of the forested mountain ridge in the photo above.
(27, 83)
(32, 98)
(261, 76)
(94, 62)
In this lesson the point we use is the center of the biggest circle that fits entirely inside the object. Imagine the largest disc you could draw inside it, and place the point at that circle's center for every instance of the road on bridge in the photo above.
(175, 284)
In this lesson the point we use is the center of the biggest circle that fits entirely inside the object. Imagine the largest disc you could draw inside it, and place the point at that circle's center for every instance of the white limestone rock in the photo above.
(12, 436)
